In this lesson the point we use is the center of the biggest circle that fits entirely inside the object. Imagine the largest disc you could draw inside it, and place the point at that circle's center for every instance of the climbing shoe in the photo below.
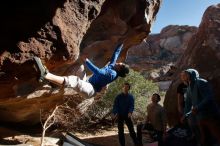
(41, 68)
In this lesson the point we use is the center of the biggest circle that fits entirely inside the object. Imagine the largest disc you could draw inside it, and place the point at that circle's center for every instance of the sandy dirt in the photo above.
(107, 137)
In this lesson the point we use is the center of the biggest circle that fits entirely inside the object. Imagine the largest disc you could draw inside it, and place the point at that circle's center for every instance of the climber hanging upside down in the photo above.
(100, 79)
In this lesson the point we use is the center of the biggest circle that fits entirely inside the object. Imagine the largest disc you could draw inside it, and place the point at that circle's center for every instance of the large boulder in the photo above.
(57, 32)
(119, 21)
(154, 56)
(203, 54)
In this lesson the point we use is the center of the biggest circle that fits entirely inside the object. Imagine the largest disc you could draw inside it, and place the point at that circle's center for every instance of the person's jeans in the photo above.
(139, 133)
(128, 121)
(160, 137)
(194, 127)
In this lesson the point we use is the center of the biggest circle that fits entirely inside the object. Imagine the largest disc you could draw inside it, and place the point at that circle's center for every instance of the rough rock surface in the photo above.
(203, 54)
(120, 21)
(48, 29)
(57, 32)
(154, 56)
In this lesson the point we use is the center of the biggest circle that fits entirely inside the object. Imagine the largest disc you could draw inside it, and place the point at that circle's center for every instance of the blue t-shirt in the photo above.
(123, 104)
(102, 77)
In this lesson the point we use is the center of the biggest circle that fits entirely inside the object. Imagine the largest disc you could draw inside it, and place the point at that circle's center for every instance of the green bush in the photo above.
(141, 89)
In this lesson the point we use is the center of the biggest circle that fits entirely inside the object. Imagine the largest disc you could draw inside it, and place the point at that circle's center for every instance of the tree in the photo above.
(141, 88)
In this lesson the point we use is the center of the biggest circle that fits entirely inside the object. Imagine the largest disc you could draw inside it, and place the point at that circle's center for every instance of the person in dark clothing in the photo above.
(190, 123)
(200, 101)
(181, 89)
(122, 109)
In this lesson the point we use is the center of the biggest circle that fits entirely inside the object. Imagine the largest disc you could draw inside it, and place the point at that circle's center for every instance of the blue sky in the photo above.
(181, 12)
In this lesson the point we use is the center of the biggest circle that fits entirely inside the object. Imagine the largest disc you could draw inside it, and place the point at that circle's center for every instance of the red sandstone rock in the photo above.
(160, 51)
(202, 53)
(57, 32)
